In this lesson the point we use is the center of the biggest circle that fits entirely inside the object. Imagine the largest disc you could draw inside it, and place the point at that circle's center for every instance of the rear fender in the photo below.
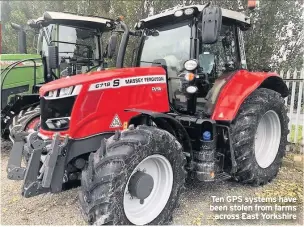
(237, 87)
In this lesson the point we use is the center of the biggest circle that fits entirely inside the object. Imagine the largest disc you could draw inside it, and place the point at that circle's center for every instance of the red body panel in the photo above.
(94, 110)
(235, 91)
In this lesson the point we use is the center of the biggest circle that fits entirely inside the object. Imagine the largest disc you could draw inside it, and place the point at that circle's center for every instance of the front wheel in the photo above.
(259, 137)
(136, 177)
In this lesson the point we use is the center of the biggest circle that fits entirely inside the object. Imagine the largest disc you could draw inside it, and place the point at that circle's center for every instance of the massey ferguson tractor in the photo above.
(81, 45)
(189, 109)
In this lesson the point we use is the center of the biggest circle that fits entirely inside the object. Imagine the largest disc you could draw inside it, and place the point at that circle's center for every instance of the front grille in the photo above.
(55, 108)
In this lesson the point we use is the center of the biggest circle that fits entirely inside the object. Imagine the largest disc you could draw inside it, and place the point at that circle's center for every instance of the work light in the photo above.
(189, 11)
(66, 91)
(178, 13)
(63, 92)
(191, 64)
(191, 89)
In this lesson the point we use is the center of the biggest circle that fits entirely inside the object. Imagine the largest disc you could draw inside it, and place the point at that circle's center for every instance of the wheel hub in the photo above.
(267, 139)
(141, 185)
(147, 192)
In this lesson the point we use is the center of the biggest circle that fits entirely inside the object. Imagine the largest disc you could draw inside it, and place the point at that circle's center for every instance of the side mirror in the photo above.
(53, 58)
(112, 45)
(32, 23)
(211, 24)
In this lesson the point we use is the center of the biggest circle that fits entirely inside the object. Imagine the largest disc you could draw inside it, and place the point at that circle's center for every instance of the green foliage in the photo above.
(276, 36)
(293, 132)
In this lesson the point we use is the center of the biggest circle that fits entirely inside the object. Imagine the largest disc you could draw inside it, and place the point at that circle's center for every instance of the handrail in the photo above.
(15, 64)
(3, 70)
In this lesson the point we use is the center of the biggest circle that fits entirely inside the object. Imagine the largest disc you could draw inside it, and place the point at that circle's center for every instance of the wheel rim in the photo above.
(267, 139)
(32, 124)
(161, 171)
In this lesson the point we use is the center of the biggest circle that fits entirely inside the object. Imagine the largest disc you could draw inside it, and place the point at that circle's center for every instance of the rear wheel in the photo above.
(136, 177)
(29, 119)
(259, 137)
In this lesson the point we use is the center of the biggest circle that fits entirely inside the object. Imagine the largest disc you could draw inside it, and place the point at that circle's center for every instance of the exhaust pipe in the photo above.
(123, 45)
(21, 38)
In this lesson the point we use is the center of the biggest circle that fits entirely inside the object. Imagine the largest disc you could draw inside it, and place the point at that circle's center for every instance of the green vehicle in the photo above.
(81, 43)
(19, 74)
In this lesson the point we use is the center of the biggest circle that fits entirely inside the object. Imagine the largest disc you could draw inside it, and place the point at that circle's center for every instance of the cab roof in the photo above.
(226, 14)
(73, 20)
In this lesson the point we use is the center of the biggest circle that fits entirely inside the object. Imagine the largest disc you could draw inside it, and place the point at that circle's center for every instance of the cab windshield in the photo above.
(171, 43)
(79, 50)
(72, 42)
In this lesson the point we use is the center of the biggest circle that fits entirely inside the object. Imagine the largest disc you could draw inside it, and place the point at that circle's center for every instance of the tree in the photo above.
(276, 36)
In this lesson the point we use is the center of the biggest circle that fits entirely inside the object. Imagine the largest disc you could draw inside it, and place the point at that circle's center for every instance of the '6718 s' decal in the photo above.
(131, 81)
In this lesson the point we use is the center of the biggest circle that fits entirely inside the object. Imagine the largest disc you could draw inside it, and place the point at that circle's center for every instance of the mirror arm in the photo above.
(44, 32)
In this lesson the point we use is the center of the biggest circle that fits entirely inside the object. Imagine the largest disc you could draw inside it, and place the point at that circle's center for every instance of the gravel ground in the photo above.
(194, 209)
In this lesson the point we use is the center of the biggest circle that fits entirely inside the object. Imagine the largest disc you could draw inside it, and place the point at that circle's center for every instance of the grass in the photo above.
(293, 132)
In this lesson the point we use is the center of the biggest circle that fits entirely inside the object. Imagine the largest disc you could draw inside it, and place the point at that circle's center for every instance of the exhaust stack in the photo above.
(21, 38)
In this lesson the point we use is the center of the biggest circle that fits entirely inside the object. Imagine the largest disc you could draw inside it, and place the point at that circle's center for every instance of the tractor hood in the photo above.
(95, 77)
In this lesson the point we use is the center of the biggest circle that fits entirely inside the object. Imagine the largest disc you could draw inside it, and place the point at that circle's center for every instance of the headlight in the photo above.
(63, 92)
(58, 123)
(52, 93)
(191, 65)
(66, 91)
(178, 13)
(189, 11)
(191, 89)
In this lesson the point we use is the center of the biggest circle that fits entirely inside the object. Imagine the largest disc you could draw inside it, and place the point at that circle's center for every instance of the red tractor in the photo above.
(190, 109)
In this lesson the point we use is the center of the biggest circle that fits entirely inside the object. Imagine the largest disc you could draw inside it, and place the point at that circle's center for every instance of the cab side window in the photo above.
(217, 58)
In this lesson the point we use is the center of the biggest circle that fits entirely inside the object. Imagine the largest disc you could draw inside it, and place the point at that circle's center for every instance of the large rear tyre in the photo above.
(29, 119)
(259, 137)
(136, 177)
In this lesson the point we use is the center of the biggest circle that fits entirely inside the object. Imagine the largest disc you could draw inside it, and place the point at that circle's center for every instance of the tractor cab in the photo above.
(67, 45)
(196, 45)
(74, 41)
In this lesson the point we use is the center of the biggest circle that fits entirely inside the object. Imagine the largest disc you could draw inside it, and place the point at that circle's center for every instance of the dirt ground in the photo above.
(194, 209)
